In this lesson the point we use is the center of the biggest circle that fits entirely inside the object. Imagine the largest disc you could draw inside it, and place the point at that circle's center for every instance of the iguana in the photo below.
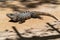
(22, 16)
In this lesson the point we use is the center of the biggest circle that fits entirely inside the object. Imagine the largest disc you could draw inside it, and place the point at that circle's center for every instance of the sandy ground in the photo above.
(5, 24)
(31, 23)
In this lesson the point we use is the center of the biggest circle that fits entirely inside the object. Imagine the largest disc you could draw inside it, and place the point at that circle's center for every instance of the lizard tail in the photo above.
(46, 14)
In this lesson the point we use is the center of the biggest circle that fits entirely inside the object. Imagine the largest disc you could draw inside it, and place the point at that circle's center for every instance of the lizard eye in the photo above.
(11, 14)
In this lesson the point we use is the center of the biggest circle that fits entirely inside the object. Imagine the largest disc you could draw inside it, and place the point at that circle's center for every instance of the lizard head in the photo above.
(12, 16)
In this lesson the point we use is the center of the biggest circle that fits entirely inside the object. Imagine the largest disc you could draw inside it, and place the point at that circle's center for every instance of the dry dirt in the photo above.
(34, 23)
(31, 23)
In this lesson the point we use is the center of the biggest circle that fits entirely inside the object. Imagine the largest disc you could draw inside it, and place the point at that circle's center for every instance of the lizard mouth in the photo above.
(10, 16)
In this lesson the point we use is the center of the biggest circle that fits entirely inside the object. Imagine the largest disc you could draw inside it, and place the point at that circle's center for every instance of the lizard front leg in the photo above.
(21, 21)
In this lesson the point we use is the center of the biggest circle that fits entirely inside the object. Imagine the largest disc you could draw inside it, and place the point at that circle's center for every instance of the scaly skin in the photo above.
(21, 17)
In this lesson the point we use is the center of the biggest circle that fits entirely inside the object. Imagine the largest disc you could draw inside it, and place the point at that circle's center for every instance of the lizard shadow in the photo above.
(13, 21)
(25, 20)
(16, 21)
